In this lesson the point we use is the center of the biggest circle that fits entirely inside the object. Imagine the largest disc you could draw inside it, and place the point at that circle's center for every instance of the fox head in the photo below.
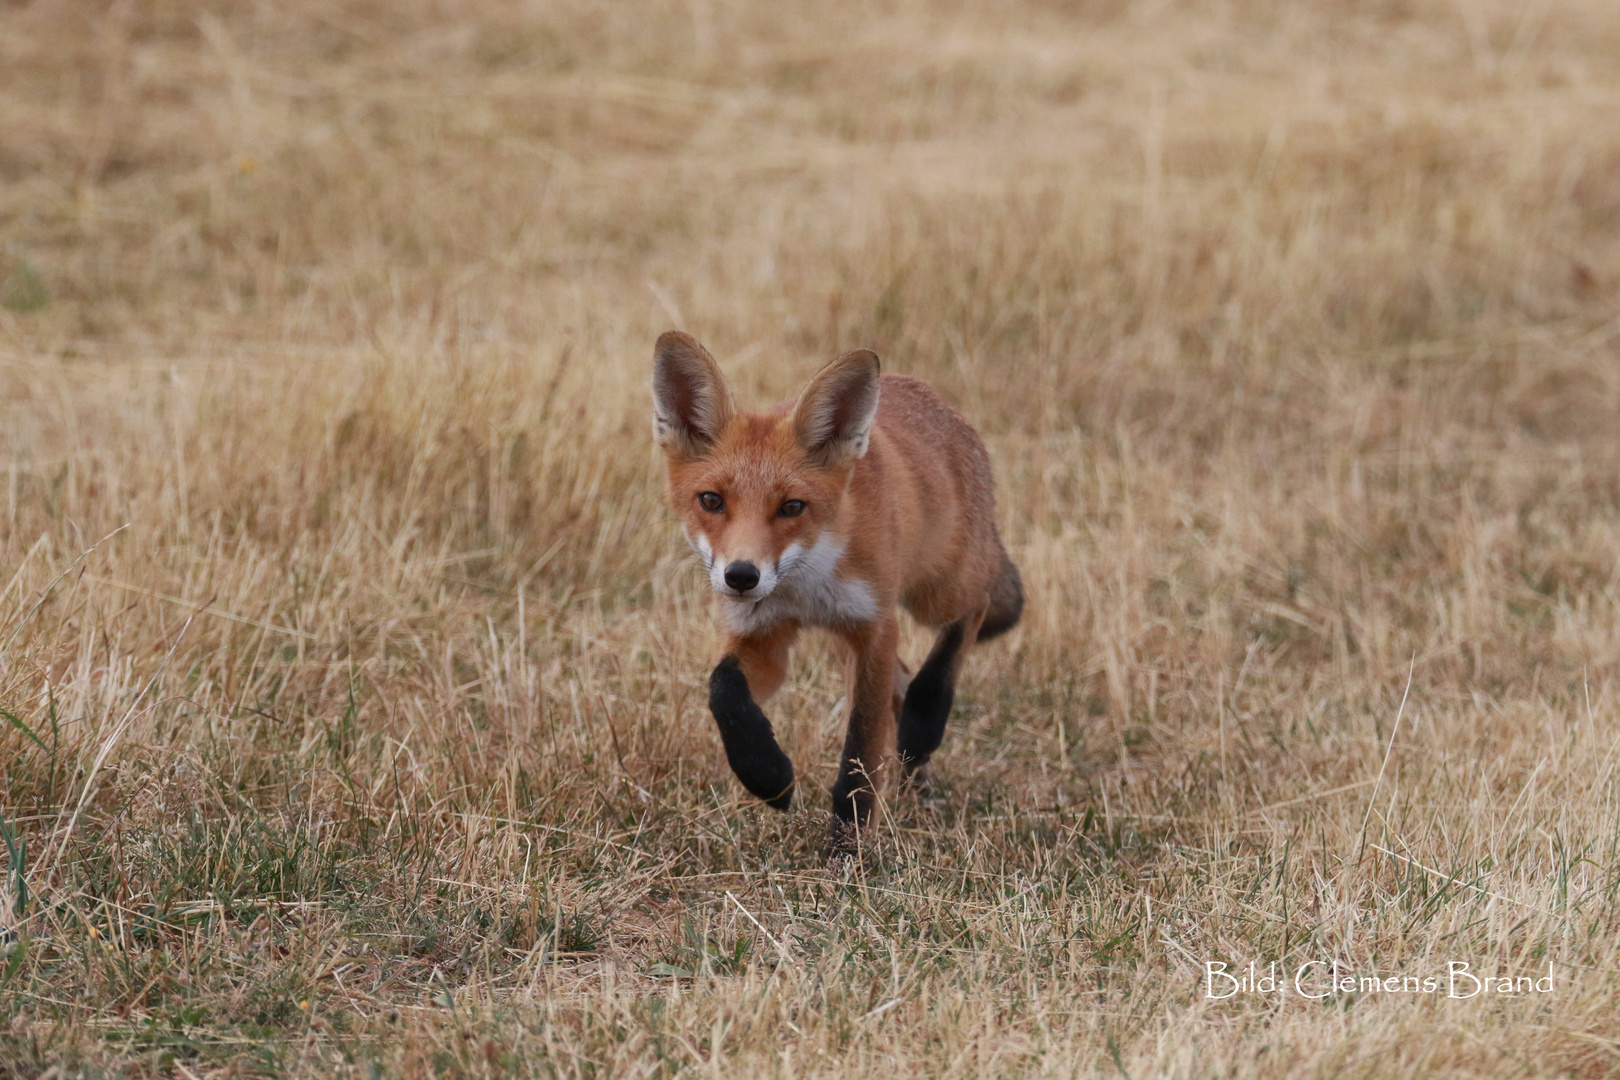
(759, 493)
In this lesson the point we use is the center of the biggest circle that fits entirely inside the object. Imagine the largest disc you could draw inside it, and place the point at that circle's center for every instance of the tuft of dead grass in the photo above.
(351, 669)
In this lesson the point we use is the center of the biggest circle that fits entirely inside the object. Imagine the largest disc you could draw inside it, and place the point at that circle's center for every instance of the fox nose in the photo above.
(742, 576)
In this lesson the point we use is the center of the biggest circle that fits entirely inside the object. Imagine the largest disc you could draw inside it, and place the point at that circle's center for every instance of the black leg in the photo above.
(928, 700)
(853, 796)
(852, 792)
(869, 742)
(749, 741)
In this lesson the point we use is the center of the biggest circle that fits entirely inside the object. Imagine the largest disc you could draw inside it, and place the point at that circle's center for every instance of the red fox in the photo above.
(867, 493)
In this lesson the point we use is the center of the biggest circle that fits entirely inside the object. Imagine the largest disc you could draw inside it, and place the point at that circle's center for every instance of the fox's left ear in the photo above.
(833, 419)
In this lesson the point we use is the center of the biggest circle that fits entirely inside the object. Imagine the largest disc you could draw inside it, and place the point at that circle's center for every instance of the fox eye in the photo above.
(791, 508)
(711, 502)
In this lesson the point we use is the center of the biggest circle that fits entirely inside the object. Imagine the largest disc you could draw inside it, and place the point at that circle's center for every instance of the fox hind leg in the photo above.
(929, 697)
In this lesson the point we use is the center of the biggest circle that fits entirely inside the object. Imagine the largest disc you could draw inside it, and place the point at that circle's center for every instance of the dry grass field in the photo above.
(353, 671)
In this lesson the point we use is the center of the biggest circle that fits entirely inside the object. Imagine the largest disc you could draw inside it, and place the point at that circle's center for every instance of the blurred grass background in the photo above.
(352, 669)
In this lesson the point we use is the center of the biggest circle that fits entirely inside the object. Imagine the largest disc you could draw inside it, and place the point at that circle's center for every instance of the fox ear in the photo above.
(833, 419)
(691, 403)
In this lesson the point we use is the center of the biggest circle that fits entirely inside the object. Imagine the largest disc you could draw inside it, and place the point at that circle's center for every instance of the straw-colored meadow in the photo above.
(353, 670)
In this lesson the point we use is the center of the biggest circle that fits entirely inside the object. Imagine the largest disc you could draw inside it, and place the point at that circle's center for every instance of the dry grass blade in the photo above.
(1383, 766)
(1292, 330)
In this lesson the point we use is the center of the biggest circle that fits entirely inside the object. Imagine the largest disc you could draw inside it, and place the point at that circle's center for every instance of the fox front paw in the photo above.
(746, 733)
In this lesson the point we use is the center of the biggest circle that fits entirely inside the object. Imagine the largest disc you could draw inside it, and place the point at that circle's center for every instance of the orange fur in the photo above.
(897, 511)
